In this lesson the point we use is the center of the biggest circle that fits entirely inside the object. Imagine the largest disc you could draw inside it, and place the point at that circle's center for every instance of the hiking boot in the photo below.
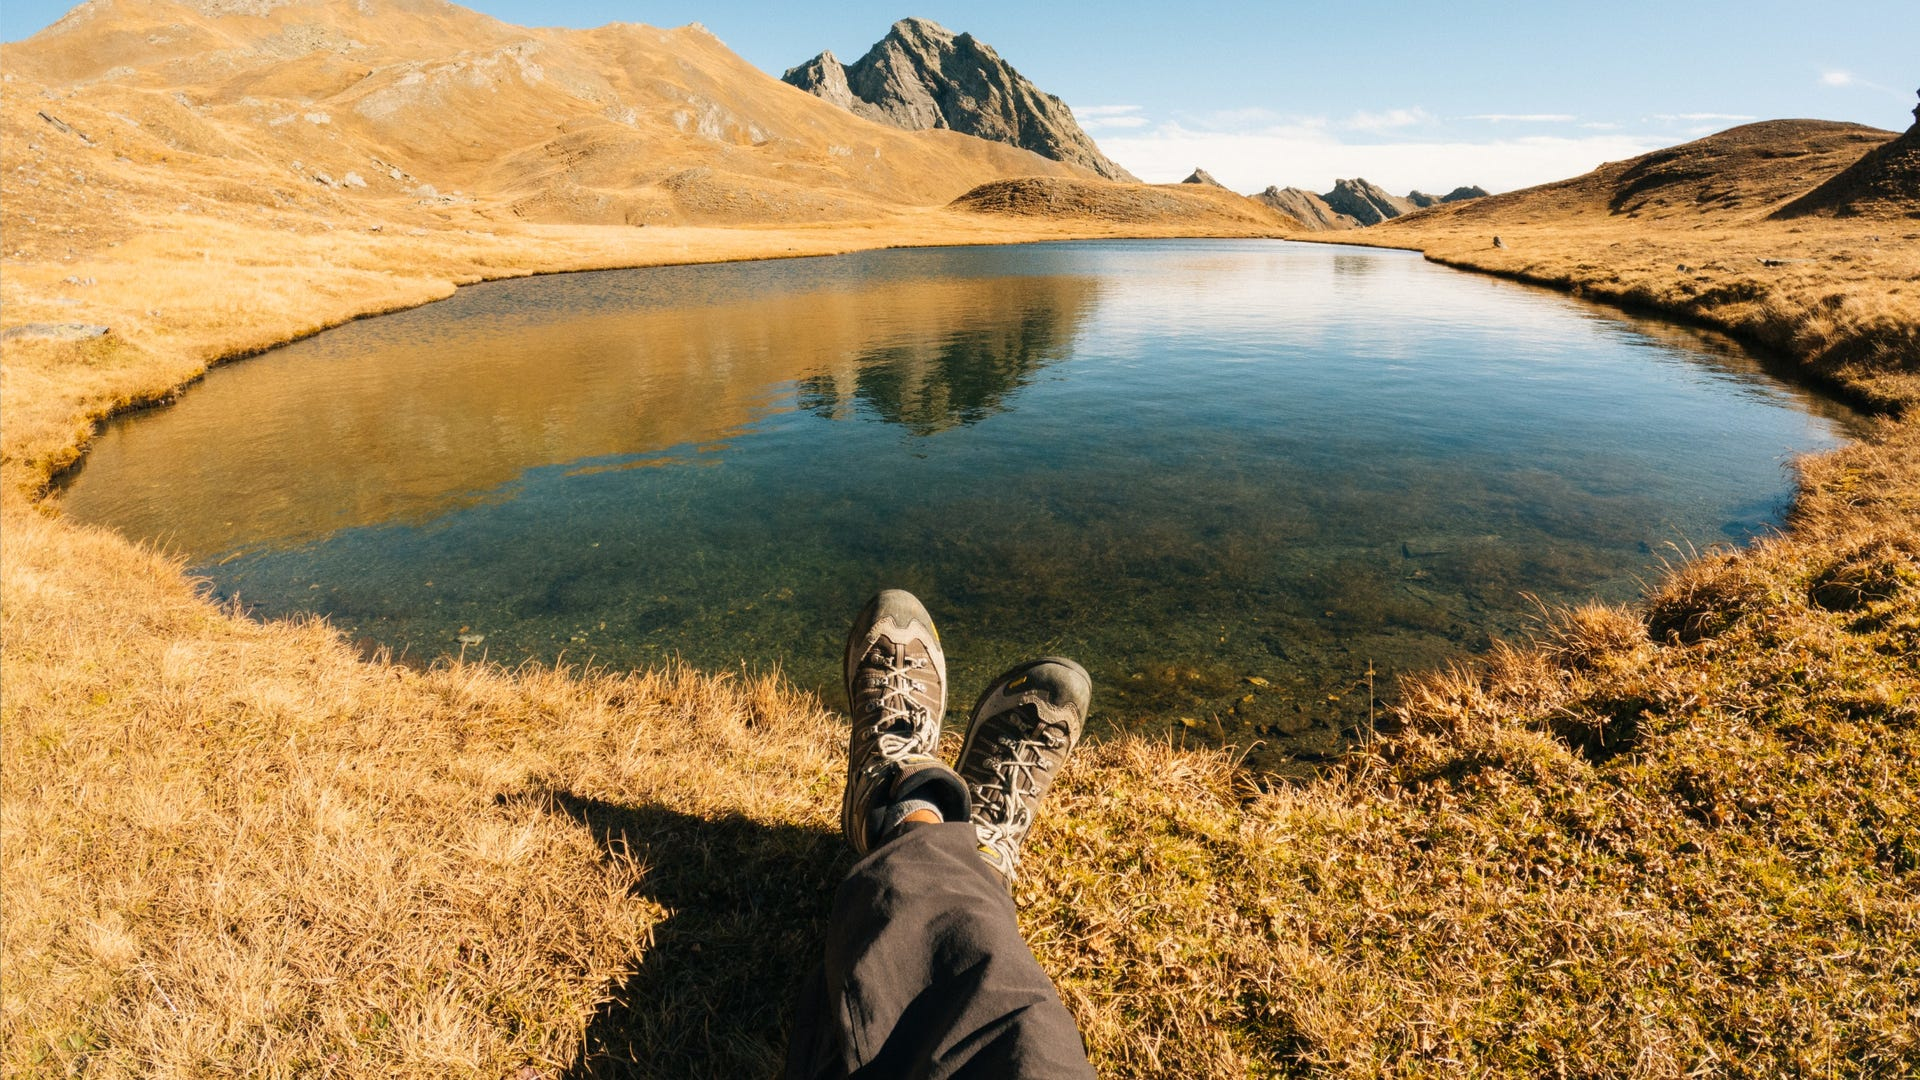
(1021, 732)
(896, 676)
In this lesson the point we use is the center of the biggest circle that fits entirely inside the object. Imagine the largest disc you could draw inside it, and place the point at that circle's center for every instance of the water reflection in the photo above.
(371, 424)
(1353, 265)
(961, 378)
(1232, 478)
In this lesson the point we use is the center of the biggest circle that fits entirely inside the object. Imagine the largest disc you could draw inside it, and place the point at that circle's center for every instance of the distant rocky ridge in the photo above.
(922, 75)
(1179, 205)
(1308, 207)
(1202, 176)
(1460, 194)
(1365, 203)
(1355, 204)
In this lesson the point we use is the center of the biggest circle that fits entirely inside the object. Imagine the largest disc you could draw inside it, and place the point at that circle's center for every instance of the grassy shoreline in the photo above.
(1660, 839)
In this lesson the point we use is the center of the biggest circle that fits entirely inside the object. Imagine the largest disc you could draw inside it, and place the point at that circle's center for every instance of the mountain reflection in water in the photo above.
(391, 420)
(961, 377)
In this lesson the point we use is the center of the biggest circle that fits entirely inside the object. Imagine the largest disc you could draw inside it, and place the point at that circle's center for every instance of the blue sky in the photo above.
(1422, 95)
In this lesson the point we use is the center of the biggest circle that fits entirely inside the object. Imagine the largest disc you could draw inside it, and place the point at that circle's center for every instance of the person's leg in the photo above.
(925, 972)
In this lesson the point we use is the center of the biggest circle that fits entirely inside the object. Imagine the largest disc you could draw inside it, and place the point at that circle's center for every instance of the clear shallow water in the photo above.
(1227, 476)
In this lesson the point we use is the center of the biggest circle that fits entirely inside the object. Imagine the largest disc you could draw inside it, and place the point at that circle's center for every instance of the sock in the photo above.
(893, 814)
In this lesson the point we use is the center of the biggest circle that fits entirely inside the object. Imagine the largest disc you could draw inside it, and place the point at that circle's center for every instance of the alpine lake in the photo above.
(1247, 483)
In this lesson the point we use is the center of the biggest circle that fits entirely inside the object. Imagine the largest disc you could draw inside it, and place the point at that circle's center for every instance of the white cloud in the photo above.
(1695, 117)
(1524, 118)
(1389, 120)
(1304, 155)
(1595, 125)
(1241, 119)
(1114, 123)
(1837, 79)
(1110, 117)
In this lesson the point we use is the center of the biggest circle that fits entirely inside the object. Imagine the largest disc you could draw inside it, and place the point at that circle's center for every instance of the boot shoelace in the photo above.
(1003, 811)
(903, 723)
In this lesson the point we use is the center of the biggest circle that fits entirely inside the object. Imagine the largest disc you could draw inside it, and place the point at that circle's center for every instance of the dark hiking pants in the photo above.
(926, 975)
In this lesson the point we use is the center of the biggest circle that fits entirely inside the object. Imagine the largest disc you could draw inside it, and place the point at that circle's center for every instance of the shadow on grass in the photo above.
(748, 906)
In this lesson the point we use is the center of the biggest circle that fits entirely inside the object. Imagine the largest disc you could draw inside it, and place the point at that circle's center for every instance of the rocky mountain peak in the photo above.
(1366, 203)
(1202, 176)
(922, 35)
(922, 75)
(826, 78)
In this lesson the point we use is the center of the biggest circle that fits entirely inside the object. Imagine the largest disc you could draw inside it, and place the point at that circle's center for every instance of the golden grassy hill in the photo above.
(367, 111)
(1733, 173)
(1697, 231)
(1884, 182)
(1678, 839)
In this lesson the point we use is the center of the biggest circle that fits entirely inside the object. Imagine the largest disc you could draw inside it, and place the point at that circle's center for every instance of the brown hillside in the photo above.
(1140, 204)
(1693, 231)
(1886, 181)
(1741, 170)
(416, 106)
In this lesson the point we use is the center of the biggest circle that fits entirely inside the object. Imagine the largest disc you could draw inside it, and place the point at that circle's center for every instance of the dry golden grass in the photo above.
(1680, 840)
(236, 847)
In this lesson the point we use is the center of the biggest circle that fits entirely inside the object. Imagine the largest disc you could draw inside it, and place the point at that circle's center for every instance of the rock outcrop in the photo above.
(1310, 209)
(1202, 176)
(1366, 203)
(826, 78)
(922, 75)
